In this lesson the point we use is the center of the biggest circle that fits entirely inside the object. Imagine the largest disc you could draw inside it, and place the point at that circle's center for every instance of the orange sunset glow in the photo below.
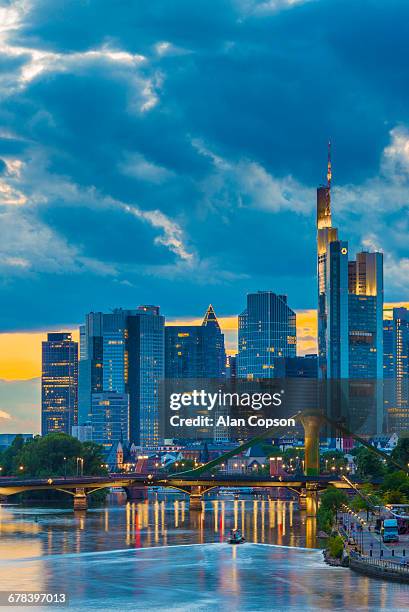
(20, 352)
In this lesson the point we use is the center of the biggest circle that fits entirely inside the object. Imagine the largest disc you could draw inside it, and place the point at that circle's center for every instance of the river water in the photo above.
(156, 555)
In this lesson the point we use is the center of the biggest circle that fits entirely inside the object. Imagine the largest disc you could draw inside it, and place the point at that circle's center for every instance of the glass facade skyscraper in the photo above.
(332, 272)
(59, 383)
(350, 310)
(123, 352)
(267, 332)
(90, 374)
(195, 351)
(146, 370)
(110, 418)
(114, 351)
(365, 317)
(396, 370)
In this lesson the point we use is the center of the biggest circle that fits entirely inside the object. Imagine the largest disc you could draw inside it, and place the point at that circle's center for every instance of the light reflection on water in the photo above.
(158, 554)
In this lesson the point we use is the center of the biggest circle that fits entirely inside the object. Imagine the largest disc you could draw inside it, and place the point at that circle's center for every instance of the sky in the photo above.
(168, 153)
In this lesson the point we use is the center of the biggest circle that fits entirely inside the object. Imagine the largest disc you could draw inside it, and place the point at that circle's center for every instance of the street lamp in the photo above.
(21, 468)
(80, 461)
(65, 467)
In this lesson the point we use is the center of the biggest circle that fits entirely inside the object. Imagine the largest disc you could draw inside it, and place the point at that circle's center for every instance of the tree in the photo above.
(394, 480)
(9, 459)
(401, 452)
(291, 454)
(367, 502)
(395, 497)
(325, 518)
(336, 547)
(52, 455)
(94, 462)
(333, 458)
(332, 499)
(395, 487)
(369, 464)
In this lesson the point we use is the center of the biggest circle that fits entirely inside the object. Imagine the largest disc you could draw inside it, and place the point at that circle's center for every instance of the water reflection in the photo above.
(162, 519)
(158, 554)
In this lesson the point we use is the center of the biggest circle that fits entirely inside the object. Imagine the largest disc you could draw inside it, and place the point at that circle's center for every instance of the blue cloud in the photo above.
(169, 153)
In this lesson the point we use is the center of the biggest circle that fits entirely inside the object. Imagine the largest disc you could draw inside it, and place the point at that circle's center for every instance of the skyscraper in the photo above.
(365, 317)
(336, 294)
(123, 352)
(350, 304)
(396, 370)
(90, 375)
(267, 332)
(59, 383)
(195, 351)
(231, 366)
(110, 418)
(146, 369)
(332, 272)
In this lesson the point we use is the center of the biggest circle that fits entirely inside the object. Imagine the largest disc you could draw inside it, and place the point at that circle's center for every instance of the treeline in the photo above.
(394, 483)
(52, 455)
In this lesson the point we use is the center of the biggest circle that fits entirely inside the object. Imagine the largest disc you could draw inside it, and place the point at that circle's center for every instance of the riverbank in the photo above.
(360, 544)
(332, 561)
(379, 568)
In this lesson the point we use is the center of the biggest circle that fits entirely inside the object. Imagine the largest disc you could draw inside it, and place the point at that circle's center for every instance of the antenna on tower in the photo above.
(329, 167)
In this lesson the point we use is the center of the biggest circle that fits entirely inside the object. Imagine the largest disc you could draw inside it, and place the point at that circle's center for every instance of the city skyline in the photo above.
(216, 187)
(21, 396)
(204, 304)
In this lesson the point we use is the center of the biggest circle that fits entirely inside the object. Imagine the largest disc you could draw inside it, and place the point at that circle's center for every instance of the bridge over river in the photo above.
(198, 481)
(195, 486)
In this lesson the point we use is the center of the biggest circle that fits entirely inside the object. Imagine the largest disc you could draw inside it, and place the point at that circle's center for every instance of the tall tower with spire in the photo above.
(332, 274)
(350, 305)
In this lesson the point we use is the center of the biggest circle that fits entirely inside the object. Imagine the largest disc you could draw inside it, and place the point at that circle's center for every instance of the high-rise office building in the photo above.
(365, 336)
(146, 370)
(396, 370)
(267, 332)
(123, 352)
(332, 272)
(231, 366)
(59, 383)
(350, 304)
(90, 374)
(110, 418)
(195, 351)
(365, 316)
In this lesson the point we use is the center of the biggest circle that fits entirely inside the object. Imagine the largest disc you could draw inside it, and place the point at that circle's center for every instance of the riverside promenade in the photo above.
(367, 552)
(355, 526)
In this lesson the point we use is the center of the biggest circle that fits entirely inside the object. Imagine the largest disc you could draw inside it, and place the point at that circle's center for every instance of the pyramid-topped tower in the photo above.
(210, 317)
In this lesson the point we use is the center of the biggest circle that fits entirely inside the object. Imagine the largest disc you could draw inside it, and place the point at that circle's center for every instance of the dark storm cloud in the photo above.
(77, 25)
(109, 234)
(210, 120)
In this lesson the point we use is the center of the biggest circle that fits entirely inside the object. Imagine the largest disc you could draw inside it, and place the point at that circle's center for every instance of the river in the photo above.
(156, 555)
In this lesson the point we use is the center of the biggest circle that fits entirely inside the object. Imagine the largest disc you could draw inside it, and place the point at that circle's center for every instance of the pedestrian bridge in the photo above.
(196, 486)
(200, 480)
